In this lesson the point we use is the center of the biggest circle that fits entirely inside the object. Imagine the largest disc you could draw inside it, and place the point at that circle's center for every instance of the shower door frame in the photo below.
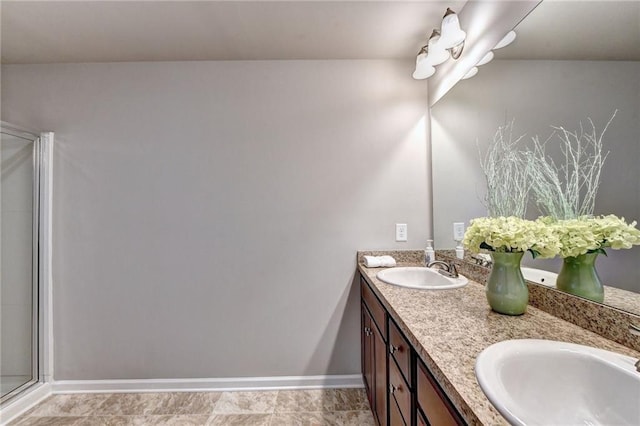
(42, 353)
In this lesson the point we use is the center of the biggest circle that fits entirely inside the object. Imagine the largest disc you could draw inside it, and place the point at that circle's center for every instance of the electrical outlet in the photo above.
(458, 231)
(401, 232)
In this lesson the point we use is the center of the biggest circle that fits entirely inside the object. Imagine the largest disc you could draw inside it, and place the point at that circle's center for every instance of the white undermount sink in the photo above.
(540, 276)
(544, 382)
(420, 277)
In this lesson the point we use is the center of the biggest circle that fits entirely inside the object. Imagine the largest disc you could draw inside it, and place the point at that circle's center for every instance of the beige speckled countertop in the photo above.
(449, 328)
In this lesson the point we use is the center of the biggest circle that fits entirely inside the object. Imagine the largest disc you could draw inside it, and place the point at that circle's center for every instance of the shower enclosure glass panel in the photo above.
(18, 254)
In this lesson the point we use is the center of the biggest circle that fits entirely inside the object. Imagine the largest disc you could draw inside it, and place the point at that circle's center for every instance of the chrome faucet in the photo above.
(446, 269)
(634, 329)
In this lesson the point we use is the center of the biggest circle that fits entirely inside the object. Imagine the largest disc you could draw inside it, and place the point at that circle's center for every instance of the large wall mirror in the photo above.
(570, 62)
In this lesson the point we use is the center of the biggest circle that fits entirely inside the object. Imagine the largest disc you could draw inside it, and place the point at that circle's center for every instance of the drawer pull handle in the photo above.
(367, 331)
(392, 389)
(393, 349)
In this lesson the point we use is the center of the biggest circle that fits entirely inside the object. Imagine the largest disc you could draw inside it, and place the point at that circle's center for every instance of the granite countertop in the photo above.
(449, 328)
(622, 299)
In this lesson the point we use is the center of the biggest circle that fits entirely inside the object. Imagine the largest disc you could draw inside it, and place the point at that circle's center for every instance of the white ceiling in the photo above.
(113, 31)
(91, 31)
(578, 30)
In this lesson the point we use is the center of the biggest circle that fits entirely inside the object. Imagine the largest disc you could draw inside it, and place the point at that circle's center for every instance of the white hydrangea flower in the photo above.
(588, 234)
(511, 234)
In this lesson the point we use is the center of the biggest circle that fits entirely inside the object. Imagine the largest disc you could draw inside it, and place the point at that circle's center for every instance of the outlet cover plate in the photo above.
(401, 232)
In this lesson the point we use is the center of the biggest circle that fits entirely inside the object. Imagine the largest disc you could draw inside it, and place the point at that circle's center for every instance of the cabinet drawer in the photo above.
(395, 418)
(399, 391)
(400, 350)
(433, 402)
(420, 420)
(376, 309)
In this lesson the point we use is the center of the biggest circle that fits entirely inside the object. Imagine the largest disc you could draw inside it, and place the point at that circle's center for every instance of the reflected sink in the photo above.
(540, 276)
(420, 277)
(544, 382)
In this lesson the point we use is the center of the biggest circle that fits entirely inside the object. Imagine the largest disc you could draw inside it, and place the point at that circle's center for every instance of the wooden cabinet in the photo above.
(380, 374)
(400, 350)
(400, 378)
(420, 420)
(366, 343)
(432, 401)
(374, 352)
(401, 389)
(399, 393)
(395, 416)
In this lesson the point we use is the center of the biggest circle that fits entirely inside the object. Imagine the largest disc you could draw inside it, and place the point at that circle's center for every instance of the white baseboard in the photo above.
(28, 399)
(206, 385)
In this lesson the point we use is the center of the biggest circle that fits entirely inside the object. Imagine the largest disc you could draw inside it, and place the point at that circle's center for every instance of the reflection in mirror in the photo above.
(568, 64)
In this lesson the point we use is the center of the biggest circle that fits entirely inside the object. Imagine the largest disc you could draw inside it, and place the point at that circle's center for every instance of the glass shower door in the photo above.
(18, 268)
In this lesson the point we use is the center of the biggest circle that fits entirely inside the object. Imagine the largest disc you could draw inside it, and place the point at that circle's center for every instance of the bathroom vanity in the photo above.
(419, 348)
(396, 380)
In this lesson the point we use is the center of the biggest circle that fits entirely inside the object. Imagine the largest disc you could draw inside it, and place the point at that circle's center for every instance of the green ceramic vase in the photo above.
(506, 290)
(579, 276)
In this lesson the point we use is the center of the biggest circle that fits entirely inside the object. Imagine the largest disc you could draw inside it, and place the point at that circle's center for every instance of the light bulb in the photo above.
(436, 53)
(451, 34)
(506, 40)
(485, 59)
(423, 70)
(473, 71)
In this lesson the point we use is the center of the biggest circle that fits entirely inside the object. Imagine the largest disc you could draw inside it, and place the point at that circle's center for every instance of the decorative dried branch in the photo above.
(505, 170)
(568, 191)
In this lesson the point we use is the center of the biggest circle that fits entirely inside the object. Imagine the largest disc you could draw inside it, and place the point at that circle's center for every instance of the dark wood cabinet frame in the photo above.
(401, 389)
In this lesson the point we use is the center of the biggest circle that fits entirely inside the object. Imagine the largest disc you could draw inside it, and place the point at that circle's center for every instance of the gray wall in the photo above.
(538, 94)
(207, 214)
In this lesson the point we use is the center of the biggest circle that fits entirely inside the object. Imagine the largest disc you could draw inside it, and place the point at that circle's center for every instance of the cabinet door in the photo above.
(380, 376)
(378, 313)
(400, 351)
(420, 420)
(395, 417)
(433, 402)
(374, 366)
(367, 353)
(399, 392)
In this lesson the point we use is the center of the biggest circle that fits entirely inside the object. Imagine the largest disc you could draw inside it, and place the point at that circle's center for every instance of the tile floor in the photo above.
(339, 407)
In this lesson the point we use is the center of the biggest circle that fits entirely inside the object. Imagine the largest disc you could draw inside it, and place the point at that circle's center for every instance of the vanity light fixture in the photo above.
(444, 43)
(436, 50)
(452, 37)
(423, 68)
(429, 56)
(506, 40)
(473, 71)
(486, 59)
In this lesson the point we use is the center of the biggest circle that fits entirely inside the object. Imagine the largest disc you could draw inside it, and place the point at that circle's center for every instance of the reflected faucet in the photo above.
(446, 269)
(634, 329)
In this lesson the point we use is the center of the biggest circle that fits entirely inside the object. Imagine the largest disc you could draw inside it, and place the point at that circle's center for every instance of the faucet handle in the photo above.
(452, 269)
